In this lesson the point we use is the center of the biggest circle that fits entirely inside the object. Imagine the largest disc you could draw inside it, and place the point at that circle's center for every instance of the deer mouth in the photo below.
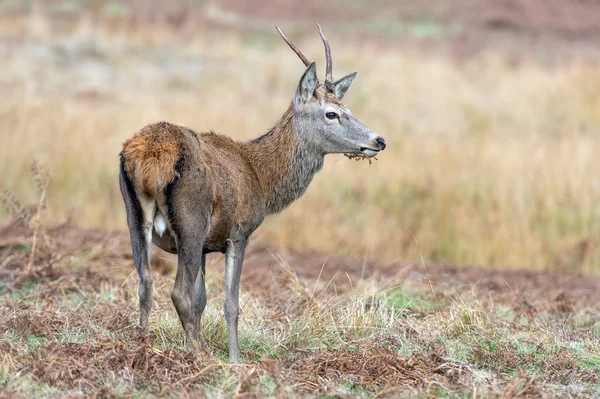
(368, 151)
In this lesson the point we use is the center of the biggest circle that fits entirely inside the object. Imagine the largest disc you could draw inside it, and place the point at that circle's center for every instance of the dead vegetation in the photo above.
(29, 219)
(303, 331)
(379, 369)
(360, 157)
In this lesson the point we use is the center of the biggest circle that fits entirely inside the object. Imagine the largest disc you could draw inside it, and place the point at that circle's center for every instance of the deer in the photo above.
(192, 194)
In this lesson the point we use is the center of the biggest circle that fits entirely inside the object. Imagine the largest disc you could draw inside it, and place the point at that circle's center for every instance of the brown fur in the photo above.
(271, 156)
(253, 172)
(150, 156)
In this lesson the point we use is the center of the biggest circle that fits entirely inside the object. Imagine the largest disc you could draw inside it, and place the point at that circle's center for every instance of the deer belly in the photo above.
(161, 235)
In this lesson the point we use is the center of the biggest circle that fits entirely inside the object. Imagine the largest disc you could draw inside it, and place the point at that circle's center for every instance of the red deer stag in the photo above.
(196, 193)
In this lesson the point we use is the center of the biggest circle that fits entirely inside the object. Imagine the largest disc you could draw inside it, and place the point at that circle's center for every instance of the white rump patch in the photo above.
(160, 223)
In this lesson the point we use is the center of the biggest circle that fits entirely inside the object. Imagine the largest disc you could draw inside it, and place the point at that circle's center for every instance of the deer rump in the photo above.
(174, 172)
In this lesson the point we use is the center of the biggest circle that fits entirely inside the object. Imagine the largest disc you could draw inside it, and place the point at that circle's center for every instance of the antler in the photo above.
(329, 84)
(328, 66)
(293, 47)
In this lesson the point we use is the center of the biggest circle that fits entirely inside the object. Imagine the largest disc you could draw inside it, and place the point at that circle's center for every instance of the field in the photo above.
(492, 118)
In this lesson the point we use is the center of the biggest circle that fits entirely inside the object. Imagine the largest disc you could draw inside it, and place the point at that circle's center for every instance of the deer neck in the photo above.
(285, 165)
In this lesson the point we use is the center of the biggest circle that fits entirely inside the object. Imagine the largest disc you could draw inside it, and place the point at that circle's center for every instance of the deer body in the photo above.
(193, 194)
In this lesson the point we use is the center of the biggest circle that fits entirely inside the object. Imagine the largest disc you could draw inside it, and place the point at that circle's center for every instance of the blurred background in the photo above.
(491, 110)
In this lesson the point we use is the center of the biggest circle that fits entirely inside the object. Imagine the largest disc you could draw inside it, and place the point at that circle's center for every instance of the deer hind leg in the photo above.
(140, 213)
(189, 293)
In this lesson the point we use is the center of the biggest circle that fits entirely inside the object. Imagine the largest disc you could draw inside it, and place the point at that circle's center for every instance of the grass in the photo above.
(364, 341)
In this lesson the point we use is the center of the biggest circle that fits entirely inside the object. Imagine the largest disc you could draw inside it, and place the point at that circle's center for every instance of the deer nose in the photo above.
(381, 143)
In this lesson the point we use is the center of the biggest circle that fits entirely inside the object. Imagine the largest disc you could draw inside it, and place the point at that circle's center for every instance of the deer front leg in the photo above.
(233, 269)
(199, 299)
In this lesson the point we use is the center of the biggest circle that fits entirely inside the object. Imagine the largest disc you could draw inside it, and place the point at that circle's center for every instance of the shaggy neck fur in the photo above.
(285, 165)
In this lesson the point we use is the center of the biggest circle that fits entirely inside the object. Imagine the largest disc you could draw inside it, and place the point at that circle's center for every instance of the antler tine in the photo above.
(293, 47)
(328, 66)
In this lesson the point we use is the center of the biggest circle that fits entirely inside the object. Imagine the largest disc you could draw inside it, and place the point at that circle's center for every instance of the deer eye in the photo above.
(331, 115)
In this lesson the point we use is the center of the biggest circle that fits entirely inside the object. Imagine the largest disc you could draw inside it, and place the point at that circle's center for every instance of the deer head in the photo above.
(322, 120)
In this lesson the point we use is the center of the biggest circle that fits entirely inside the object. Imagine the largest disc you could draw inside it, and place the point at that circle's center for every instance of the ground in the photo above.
(310, 325)
(463, 263)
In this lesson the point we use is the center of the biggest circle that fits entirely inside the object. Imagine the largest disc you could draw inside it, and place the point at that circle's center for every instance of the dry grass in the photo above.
(73, 332)
(487, 163)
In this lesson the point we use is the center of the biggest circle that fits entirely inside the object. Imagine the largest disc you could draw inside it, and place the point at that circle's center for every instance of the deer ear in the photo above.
(343, 84)
(307, 85)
